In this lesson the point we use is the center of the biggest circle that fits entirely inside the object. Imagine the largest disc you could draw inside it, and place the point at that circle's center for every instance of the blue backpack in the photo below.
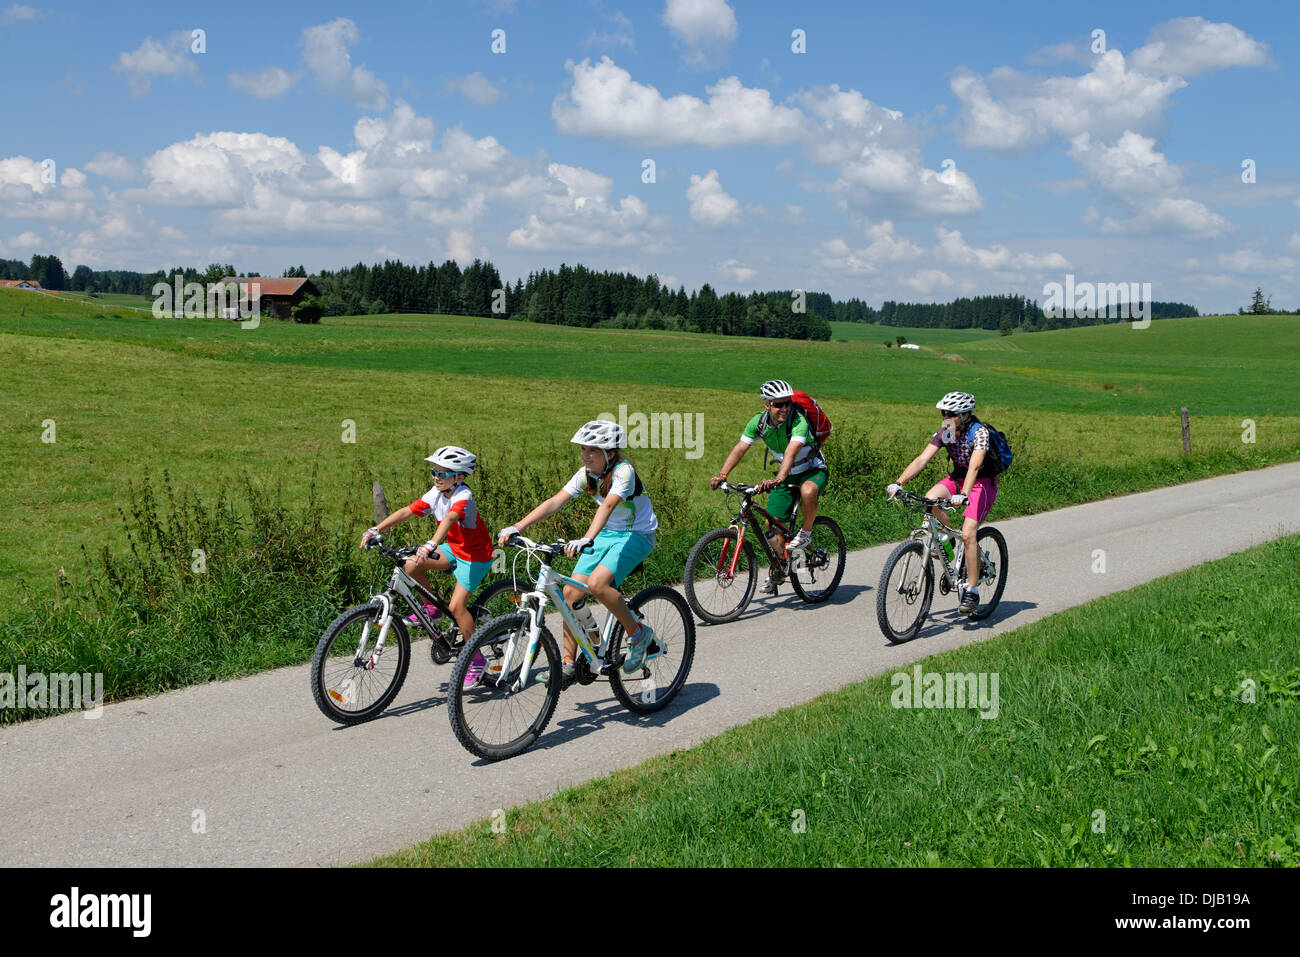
(999, 456)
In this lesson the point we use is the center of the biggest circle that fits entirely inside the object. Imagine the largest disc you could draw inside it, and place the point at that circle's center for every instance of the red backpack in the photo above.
(818, 421)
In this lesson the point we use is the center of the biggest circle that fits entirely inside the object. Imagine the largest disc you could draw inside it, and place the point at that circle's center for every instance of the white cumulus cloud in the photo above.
(706, 28)
(267, 84)
(475, 88)
(710, 204)
(111, 166)
(170, 58)
(325, 51)
(603, 101)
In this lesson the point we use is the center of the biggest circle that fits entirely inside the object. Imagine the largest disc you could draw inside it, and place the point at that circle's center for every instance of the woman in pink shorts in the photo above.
(966, 439)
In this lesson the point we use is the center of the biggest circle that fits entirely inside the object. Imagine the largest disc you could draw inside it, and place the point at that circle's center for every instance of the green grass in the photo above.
(105, 299)
(1130, 706)
(877, 335)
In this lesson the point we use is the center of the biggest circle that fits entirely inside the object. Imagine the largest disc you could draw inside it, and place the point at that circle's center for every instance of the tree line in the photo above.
(579, 296)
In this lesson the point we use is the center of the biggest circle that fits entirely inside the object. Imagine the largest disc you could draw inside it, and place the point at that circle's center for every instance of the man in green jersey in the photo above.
(801, 474)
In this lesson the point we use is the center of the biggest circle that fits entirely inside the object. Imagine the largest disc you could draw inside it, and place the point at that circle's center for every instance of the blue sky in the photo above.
(912, 152)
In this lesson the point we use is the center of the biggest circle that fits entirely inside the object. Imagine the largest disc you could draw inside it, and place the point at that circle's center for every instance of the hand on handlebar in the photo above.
(503, 536)
(893, 489)
(576, 546)
(371, 538)
(768, 484)
(717, 480)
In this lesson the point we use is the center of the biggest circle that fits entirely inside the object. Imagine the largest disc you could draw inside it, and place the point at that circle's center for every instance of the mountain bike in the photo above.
(504, 713)
(908, 578)
(721, 574)
(362, 658)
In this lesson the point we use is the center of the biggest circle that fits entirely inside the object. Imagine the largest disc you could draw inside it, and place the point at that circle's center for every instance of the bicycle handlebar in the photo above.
(905, 497)
(518, 540)
(739, 489)
(398, 555)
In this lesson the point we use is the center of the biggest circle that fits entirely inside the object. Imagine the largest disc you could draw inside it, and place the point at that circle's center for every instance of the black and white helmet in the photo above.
(602, 434)
(958, 402)
(454, 459)
(775, 389)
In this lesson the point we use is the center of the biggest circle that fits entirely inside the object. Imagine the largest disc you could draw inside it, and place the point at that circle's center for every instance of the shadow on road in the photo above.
(942, 621)
(787, 599)
(594, 715)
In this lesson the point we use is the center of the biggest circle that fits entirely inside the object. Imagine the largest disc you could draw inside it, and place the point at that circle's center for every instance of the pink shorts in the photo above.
(982, 494)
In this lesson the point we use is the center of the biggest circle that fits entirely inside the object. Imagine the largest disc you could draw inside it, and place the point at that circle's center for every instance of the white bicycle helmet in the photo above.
(602, 434)
(776, 389)
(958, 402)
(454, 459)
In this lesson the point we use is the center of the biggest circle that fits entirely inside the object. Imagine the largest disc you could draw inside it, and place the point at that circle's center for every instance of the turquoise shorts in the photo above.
(467, 574)
(620, 552)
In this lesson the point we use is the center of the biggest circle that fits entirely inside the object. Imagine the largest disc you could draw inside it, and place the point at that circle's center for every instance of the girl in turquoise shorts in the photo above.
(621, 534)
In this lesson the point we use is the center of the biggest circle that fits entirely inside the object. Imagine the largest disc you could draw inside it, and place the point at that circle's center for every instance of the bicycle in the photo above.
(511, 704)
(907, 580)
(361, 660)
(721, 565)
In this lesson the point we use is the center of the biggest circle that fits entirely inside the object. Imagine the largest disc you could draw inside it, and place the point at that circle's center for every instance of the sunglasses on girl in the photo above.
(443, 475)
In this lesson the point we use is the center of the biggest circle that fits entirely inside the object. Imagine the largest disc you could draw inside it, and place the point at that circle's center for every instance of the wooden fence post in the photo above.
(1187, 432)
(381, 502)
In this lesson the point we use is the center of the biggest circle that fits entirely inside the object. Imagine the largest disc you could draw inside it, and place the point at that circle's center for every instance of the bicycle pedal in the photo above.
(609, 666)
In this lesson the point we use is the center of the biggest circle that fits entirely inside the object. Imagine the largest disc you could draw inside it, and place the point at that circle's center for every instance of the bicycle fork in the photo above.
(385, 623)
(735, 557)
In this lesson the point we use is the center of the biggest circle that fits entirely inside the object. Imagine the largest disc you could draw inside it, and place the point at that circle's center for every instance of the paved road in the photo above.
(277, 783)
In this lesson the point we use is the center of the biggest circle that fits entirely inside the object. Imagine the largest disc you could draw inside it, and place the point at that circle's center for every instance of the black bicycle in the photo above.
(362, 658)
(721, 570)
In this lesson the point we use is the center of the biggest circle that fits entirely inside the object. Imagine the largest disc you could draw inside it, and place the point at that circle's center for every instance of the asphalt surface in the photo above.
(249, 772)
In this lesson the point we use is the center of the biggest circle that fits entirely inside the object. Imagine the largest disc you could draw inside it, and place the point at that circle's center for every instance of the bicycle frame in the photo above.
(745, 517)
(548, 589)
(401, 584)
(929, 535)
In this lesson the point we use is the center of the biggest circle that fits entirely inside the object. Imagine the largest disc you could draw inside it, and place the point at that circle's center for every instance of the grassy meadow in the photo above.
(172, 435)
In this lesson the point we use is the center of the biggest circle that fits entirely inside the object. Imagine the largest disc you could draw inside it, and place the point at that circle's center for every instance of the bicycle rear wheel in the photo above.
(905, 592)
(824, 560)
(993, 570)
(348, 684)
(712, 591)
(667, 661)
(501, 715)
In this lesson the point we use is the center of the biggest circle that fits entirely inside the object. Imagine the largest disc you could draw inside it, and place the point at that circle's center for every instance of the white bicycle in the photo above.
(504, 713)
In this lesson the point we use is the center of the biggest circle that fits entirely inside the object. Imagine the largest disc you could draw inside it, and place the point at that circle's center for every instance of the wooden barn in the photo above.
(279, 296)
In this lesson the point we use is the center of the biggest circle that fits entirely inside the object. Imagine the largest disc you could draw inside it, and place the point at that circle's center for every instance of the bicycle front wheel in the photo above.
(504, 712)
(906, 589)
(668, 659)
(993, 570)
(714, 592)
(824, 560)
(349, 683)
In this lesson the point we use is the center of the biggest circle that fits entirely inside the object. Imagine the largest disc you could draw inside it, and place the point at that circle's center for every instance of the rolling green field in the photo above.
(877, 335)
(1151, 728)
(208, 400)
